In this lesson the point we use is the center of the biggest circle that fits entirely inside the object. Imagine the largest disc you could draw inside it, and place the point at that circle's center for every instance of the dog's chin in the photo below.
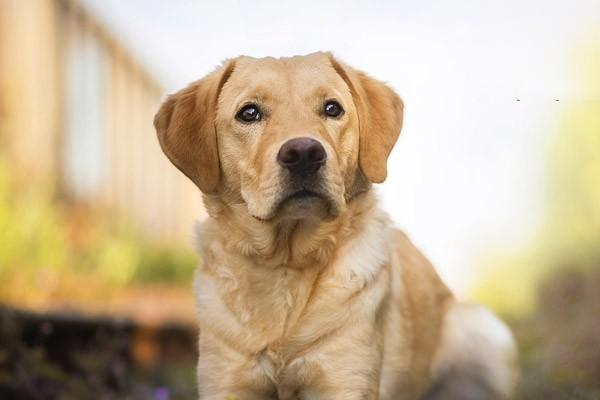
(302, 205)
(305, 205)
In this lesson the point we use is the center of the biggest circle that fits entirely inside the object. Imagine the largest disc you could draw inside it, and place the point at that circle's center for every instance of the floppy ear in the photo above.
(185, 125)
(380, 112)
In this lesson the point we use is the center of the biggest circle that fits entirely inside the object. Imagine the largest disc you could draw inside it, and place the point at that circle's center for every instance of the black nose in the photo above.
(302, 156)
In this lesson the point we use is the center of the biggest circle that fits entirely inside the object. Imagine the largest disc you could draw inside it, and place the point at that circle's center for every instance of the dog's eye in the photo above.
(333, 109)
(249, 113)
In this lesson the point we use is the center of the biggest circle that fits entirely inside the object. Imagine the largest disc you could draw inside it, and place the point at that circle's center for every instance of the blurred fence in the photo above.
(76, 115)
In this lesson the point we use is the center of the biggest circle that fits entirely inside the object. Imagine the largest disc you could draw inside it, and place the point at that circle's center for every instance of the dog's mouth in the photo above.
(303, 202)
(301, 194)
(301, 197)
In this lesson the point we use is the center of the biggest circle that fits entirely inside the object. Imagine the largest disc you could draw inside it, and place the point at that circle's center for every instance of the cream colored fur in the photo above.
(317, 298)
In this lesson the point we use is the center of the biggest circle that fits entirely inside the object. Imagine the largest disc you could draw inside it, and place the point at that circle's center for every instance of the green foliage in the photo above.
(165, 265)
(48, 251)
(573, 223)
(30, 232)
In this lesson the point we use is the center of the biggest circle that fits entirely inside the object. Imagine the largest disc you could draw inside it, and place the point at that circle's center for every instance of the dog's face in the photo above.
(288, 136)
(291, 138)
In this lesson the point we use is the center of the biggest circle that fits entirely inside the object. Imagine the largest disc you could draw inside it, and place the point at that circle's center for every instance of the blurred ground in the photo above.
(559, 343)
(69, 356)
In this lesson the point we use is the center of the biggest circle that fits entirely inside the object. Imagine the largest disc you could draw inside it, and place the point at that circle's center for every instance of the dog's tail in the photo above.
(477, 359)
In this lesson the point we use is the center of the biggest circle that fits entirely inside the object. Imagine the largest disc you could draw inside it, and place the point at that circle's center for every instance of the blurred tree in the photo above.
(570, 234)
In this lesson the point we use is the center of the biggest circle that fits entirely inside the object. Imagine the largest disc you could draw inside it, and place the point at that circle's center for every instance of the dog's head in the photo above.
(291, 138)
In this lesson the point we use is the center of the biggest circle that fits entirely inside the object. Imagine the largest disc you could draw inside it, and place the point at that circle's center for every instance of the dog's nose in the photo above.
(302, 156)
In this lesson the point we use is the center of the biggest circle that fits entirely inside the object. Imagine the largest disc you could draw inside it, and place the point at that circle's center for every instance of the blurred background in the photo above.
(496, 175)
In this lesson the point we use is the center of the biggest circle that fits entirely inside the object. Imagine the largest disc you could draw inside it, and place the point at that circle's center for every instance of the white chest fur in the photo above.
(273, 317)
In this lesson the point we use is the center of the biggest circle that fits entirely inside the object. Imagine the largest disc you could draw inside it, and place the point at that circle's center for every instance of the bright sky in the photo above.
(466, 175)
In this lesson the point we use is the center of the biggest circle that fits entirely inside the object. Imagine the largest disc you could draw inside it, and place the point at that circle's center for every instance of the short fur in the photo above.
(316, 298)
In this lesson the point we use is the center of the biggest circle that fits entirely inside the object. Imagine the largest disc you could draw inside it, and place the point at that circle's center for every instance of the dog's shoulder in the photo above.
(419, 276)
(425, 299)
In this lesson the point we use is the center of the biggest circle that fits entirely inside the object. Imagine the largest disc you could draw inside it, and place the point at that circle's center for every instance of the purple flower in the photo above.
(161, 393)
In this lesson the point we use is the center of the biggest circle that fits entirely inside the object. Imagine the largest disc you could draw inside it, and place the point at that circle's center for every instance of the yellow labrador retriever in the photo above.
(305, 289)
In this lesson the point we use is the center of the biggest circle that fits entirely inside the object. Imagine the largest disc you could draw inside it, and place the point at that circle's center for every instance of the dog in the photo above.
(305, 289)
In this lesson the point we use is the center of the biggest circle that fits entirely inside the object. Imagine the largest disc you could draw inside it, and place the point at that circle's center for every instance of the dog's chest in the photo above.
(258, 307)
(278, 320)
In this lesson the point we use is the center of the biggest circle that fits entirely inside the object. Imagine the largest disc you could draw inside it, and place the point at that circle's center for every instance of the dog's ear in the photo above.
(185, 125)
(380, 113)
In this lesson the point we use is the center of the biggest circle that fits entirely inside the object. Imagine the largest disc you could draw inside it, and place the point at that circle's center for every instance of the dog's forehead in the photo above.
(299, 72)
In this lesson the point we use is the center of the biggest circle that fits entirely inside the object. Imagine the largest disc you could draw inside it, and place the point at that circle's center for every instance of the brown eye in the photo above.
(249, 113)
(333, 109)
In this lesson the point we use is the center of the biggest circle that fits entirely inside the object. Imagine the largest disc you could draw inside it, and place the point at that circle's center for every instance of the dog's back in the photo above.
(452, 350)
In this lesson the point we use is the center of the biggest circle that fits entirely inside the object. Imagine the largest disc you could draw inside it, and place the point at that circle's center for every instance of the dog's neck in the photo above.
(253, 268)
(287, 243)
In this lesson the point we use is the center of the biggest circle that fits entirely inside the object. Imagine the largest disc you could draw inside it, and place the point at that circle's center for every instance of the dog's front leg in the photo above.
(338, 370)
(225, 384)
(226, 374)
